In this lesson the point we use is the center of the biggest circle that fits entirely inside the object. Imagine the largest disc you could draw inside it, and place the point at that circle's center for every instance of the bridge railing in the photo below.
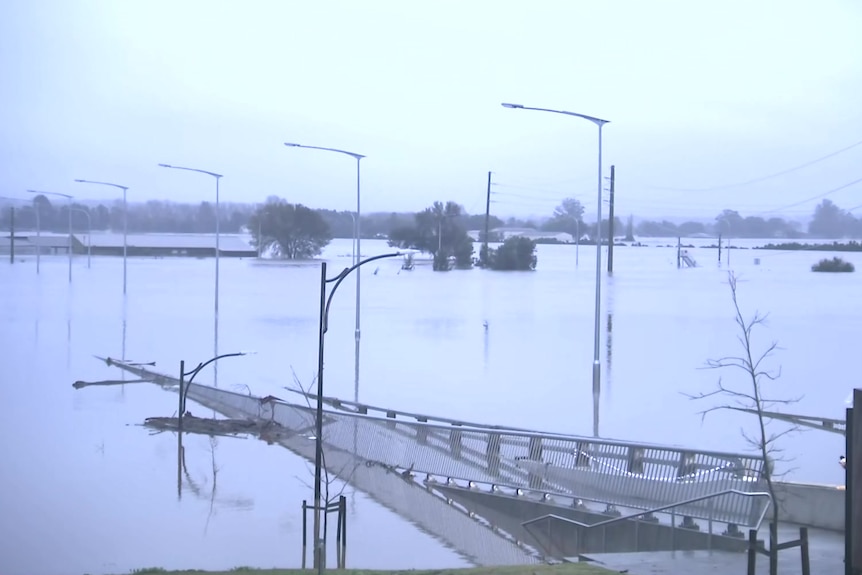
(639, 476)
(628, 474)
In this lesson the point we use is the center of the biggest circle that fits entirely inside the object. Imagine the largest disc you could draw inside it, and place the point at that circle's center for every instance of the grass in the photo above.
(562, 569)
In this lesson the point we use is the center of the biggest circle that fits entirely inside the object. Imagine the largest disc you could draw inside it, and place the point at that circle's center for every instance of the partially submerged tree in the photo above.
(439, 231)
(517, 253)
(290, 231)
(748, 394)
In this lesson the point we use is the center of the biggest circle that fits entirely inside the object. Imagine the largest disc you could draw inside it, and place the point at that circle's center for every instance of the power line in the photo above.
(762, 178)
(817, 197)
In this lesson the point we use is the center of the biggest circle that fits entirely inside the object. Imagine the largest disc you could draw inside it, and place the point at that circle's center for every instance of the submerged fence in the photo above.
(632, 475)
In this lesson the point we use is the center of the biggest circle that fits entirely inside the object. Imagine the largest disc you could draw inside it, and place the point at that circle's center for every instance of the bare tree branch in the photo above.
(749, 397)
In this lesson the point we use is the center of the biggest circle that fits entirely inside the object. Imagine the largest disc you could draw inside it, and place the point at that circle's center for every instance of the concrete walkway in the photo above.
(826, 551)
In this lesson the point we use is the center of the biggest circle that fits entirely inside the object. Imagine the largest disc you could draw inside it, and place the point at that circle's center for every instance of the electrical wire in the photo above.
(762, 178)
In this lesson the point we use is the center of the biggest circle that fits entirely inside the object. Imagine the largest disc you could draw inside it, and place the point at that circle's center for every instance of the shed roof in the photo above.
(227, 242)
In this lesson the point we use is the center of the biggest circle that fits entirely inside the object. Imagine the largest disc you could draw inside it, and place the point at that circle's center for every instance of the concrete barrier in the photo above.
(820, 506)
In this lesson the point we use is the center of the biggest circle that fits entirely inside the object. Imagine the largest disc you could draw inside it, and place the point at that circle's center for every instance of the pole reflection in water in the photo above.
(187, 481)
(610, 296)
(123, 350)
(68, 341)
(486, 347)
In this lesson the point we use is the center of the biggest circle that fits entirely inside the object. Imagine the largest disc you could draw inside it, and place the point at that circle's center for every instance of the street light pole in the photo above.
(217, 251)
(89, 231)
(68, 197)
(357, 257)
(319, 543)
(125, 221)
(597, 368)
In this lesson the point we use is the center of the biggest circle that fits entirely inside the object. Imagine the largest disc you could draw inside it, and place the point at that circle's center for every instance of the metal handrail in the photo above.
(436, 423)
(656, 509)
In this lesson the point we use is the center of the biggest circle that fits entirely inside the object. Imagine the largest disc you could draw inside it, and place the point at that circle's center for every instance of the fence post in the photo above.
(304, 530)
(773, 549)
(803, 545)
(752, 551)
(343, 532)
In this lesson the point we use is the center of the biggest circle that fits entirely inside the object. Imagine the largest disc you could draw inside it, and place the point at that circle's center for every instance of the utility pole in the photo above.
(484, 254)
(611, 227)
(719, 248)
(12, 234)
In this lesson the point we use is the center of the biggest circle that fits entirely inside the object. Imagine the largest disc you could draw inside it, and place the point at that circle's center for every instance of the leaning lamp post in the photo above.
(184, 386)
(325, 301)
(597, 368)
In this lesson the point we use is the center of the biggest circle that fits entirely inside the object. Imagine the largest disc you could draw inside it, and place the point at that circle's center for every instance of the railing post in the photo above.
(752, 551)
(673, 529)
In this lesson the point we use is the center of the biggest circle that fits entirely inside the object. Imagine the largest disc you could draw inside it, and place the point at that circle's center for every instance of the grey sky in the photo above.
(699, 94)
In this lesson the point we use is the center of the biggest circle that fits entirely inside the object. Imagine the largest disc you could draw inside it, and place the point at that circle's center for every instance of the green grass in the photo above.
(562, 569)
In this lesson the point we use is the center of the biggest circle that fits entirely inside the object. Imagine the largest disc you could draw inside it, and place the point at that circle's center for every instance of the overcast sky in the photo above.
(700, 95)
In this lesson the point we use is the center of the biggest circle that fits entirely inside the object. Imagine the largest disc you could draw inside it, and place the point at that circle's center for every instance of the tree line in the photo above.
(828, 221)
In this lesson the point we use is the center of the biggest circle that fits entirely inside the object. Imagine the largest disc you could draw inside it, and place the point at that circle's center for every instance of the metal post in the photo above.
(181, 404)
(597, 368)
(358, 273)
(803, 549)
(125, 237)
(11, 235)
(38, 238)
(577, 241)
(752, 551)
(318, 427)
(215, 313)
(304, 530)
(70, 239)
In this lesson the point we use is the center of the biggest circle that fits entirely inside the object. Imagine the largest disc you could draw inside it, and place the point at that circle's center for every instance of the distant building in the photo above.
(504, 234)
(146, 245)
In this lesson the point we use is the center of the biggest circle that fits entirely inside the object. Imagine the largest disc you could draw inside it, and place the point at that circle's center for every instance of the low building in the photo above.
(139, 245)
(503, 234)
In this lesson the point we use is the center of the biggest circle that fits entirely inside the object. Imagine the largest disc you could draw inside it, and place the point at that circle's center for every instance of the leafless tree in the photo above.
(747, 394)
(344, 473)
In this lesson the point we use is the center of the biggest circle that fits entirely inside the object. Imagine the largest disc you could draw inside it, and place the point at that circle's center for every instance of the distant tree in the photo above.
(630, 230)
(829, 221)
(290, 231)
(729, 223)
(517, 253)
(568, 217)
(439, 231)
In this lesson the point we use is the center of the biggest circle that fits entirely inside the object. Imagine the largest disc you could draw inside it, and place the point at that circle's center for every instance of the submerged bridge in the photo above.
(509, 495)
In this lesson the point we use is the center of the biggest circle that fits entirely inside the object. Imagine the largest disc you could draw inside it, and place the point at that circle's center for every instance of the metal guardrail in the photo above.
(829, 424)
(632, 475)
(603, 524)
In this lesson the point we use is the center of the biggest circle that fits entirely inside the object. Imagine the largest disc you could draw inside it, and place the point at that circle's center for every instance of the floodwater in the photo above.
(85, 489)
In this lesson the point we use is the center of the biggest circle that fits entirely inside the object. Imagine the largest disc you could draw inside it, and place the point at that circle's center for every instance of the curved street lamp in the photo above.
(319, 544)
(357, 253)
(184, 387)
(597, 367)
(218, 217)
(68, 197)
(125, 221)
